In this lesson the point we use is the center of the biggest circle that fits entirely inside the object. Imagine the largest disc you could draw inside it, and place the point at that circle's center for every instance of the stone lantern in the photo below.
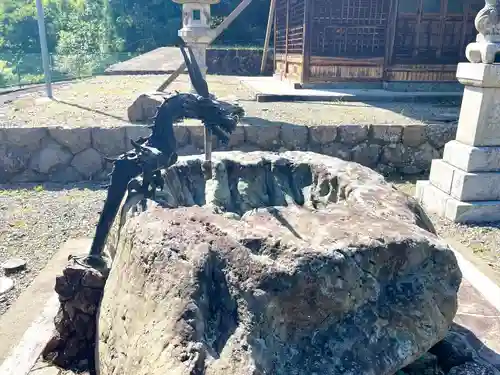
(464, 186)
(196, 31)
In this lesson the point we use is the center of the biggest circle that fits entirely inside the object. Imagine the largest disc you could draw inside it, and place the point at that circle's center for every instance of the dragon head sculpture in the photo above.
(138, 170)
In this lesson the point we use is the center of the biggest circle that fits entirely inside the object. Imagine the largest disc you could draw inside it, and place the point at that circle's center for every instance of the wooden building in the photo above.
(325, 41)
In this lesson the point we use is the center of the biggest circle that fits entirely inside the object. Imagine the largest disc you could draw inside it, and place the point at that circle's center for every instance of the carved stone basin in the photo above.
(295, 263)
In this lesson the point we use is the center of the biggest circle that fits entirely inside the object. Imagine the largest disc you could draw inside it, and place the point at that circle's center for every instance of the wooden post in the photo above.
(218, 30)
(391, 36)
(442, 27)
(418, 27)
(466, 15)
(286, 35)
(272, 7)
(172, 77)
(229, 19)
(275, 37)
(306, 40)
(43, 45)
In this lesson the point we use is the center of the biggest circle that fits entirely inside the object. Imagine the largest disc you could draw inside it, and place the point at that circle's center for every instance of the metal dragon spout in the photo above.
(158, 151)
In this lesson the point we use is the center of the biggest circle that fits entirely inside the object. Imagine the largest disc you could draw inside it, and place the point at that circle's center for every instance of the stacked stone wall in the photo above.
(65, 154)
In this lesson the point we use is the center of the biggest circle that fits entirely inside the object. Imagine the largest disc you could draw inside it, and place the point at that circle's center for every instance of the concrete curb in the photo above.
(26, 353)
(38, 305)
(65, 154)
(365, 98)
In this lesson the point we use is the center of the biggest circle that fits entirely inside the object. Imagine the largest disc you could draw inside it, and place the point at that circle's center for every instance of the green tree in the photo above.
(145, 25)
(86, 37)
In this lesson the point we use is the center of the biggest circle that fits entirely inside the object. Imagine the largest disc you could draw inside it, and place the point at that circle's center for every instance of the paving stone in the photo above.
(6, 284)
(14, 265)
(75, 139)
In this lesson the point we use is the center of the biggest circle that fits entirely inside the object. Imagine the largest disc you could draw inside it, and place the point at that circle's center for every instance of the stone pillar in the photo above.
(464, 186)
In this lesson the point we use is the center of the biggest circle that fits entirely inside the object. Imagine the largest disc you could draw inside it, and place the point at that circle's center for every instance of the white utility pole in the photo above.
(44, 48)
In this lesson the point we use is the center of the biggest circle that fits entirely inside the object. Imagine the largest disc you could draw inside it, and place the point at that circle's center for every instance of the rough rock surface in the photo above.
(143, 109)
(291, 264)
(80, 289)
(461, 347)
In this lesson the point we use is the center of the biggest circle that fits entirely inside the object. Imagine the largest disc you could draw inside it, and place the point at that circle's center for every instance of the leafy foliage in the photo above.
(86, 35)
(6, 73)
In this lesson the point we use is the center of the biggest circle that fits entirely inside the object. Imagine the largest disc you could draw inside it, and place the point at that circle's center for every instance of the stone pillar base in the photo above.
(436, 201)
(465, 185)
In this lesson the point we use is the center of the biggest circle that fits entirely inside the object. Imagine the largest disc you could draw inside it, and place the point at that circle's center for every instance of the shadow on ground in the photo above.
(91, 110)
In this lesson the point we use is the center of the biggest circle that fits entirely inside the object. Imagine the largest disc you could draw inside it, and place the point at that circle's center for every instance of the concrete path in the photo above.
(270, 89)
(479, 311)
(35, 308)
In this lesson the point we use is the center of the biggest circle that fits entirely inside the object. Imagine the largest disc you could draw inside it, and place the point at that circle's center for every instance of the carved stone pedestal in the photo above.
(465, 185)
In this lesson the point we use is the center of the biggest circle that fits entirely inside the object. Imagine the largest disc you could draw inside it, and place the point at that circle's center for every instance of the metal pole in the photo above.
(43, 46)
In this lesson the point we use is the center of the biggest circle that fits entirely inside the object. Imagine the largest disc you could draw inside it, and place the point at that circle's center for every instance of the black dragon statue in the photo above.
(138, 171)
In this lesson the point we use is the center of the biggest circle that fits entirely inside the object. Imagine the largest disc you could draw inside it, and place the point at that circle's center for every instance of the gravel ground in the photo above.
(36, 220)
(103, 101)
(483, 240)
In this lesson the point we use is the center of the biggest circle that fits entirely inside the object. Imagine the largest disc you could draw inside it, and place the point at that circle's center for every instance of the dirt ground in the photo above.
(482, 241)
(103, 101)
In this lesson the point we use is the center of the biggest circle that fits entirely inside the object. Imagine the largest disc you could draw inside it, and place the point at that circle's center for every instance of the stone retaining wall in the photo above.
(238, 62)
(60, 154)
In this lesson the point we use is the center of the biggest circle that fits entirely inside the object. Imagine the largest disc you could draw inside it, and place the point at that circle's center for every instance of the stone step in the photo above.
(465, 186)
(471, 158)
(439, 202)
